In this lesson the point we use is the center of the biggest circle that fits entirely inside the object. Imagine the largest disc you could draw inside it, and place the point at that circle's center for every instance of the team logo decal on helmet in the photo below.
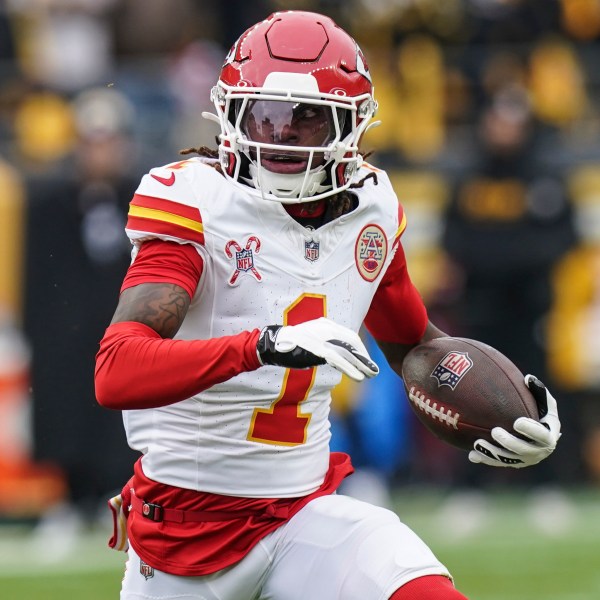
(293, 100)
(370, 251)
(244, 258)
(361, 64)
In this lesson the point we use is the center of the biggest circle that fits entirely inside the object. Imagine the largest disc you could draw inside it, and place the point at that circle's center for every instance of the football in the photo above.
(460, 389)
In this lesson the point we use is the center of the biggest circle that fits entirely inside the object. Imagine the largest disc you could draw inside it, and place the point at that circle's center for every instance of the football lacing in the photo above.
(442, 414)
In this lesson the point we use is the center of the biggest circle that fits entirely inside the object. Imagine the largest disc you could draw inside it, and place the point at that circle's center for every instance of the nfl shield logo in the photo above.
(311, 250)
(244, 260)
(452, 368)
(146, 570)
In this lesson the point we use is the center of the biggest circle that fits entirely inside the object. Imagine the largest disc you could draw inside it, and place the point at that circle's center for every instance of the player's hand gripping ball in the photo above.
(462, 389)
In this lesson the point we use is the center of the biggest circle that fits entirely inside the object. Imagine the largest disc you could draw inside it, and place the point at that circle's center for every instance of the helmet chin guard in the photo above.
(293, 100)
(296, 187)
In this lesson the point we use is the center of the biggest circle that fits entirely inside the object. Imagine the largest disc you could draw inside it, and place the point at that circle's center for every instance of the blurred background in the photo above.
(490, 132)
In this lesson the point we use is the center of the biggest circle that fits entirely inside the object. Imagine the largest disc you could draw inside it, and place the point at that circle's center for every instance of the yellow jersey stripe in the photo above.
(401, 227)
(161, 215)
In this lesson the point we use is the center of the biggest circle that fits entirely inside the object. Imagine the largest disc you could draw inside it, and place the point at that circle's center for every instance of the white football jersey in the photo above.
(263, 433)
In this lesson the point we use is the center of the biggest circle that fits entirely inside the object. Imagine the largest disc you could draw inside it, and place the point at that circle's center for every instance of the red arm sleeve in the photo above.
(397, 313)
(136, 368)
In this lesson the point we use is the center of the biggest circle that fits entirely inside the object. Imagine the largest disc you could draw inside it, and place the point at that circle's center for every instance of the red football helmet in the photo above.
(293, 100)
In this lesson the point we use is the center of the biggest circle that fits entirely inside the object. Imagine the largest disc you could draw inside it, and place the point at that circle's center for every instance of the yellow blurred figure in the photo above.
(557, 83)
(581, 18)
(44, 127)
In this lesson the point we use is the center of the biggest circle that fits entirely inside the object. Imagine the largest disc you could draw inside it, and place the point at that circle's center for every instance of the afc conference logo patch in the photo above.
(243, 258)
(370, 251)
(452, 368)
(311, 250)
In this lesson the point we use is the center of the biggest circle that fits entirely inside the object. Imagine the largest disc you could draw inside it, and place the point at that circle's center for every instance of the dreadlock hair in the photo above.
(206, 152)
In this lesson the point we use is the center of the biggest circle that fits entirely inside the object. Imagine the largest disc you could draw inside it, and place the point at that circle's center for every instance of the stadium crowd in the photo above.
(490, 132)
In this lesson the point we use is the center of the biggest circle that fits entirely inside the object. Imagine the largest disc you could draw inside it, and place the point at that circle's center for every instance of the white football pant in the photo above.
(335, 548)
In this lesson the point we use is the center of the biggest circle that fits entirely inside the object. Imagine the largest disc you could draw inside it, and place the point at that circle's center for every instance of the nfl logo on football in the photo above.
(311, 250)
(452, 368)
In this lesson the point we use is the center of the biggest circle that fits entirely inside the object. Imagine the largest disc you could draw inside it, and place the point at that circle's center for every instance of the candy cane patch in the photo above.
(243, 257)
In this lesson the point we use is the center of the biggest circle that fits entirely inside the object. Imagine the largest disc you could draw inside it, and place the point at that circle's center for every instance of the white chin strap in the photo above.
(287, 188)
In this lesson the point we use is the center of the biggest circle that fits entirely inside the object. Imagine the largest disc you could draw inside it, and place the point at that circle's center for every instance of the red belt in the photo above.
(155, 512)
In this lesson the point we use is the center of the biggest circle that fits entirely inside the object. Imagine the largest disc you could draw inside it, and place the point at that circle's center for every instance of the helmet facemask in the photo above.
(290, 146)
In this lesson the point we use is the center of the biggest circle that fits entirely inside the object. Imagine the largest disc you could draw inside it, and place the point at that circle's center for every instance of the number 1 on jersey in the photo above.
(283, 423)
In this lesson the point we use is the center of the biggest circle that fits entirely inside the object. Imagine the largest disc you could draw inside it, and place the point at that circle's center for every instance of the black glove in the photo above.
(314, 343)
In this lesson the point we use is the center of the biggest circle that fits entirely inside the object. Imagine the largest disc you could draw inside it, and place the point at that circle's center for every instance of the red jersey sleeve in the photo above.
(165, 262)
(150, 215)
(397, 313)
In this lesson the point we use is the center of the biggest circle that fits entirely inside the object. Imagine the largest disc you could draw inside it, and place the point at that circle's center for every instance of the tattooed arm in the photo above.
(161, 306)
(139, 365)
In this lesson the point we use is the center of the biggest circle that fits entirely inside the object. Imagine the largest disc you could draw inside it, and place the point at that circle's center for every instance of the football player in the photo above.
(253, 270)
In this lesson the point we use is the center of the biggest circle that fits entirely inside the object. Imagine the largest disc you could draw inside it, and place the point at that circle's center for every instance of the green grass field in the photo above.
(517, 552)
(498, 548)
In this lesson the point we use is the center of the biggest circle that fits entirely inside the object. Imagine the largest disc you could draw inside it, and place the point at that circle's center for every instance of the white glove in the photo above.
(315, 343)
(515, 452)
